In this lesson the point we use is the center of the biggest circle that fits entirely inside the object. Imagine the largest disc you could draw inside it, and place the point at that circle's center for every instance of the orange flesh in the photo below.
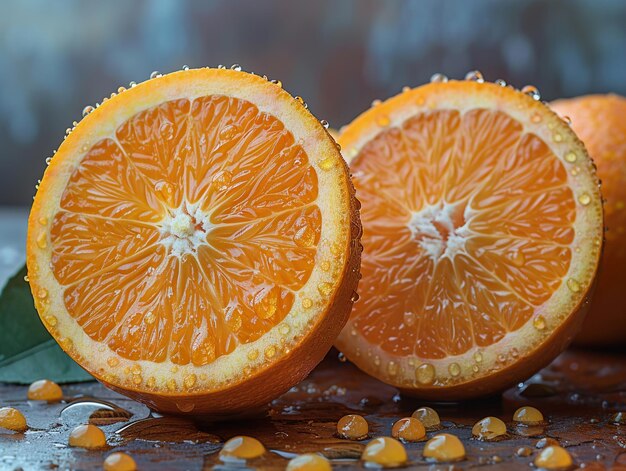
(468, 222)
(187, 232)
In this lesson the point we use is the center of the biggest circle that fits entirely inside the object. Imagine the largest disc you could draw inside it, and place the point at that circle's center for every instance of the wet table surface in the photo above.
(579, 395)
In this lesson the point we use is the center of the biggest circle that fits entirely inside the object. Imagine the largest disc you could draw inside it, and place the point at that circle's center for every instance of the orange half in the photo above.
(482, 222)
(193, 243)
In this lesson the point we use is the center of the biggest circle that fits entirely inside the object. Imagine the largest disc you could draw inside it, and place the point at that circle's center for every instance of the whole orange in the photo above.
(600, 121)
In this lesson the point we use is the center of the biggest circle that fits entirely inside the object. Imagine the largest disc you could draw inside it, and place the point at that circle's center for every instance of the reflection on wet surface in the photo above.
(580, 395)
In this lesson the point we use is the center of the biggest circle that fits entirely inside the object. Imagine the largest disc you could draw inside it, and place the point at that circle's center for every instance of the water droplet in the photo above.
(119, 461)
(454, 369)
(573, 285)
(408, 429)
(554, 457)
(619, 418)
(539, 322)
(278, 83)
(376, 102)
(501, 358)
(12, 419)
(352, 427)
(406, 89)
(474, 76)
(270, 351)
(385, 452)
(185, 67)
(524, 451)
(87, 109)
(242, 447)
(489, 428)
(575, 170)
(444, 448)
(584, 199)
(571, 157)
(500, 83)
(44, 390)
(557, 137)
(478, 357)
(155, 74)
(132, 84)
(309, 462)
(324, 123)
(438, 78)
(341, 357)
(253, 355)
(475, 368)
(236, 67)
(48, 160)
(325, 288)
(425, 373)
(266, 302)
(532, 92)
(87, 436)
(528, 415)
(355, 297)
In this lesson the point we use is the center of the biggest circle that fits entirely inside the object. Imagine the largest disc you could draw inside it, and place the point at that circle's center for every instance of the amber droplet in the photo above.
(309, 462)
(45, 390)
(528, 415)
(554, 457)
(87, 436)
(12, 419)
(444, 448)
(352, 427)
(242, 447)
(119, 462)
(385, 451)
(428, 417)
(408, 429)
(489, 428)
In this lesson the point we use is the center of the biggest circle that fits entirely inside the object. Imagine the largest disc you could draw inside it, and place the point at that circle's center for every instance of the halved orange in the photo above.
(482, 230)
(194, 242)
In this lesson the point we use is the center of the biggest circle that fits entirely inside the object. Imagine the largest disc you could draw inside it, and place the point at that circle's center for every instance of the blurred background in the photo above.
(58, 56)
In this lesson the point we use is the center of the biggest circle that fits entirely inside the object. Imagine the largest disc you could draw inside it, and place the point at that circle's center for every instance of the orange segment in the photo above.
(188, 215)
(474, 231)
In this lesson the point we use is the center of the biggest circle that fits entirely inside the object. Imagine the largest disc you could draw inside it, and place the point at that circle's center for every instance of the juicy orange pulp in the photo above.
(478, 240)
(239, 217)
(470, 243)
(194, 242)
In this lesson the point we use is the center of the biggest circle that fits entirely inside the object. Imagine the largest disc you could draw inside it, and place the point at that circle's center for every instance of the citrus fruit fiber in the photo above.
(599, 121)
(482, 232)
(194, 242)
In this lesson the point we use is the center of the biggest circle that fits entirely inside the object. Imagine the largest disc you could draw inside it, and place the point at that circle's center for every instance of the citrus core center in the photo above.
(184, 229)
(440, 229)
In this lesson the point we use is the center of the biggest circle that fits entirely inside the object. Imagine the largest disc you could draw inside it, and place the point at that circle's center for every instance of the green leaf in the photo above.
(27, 351)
